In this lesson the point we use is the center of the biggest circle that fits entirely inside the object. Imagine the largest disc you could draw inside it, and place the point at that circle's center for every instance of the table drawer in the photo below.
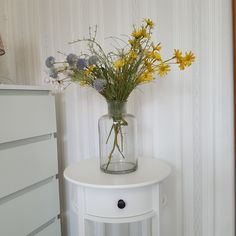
(118, 202)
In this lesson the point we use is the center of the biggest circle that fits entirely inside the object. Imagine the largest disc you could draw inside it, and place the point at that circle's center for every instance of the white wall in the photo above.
(185, 119)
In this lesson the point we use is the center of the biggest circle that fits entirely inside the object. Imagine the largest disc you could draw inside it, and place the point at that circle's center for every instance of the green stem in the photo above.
(109, 133)
(118, 147)
(121, 139)
(117, 127)
(114, 146)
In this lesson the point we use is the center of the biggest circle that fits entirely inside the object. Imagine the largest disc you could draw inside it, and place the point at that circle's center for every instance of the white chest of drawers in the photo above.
(29, 198)
(117, 198)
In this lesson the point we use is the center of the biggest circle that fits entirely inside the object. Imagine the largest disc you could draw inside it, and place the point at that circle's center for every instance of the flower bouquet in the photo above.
(115, 75)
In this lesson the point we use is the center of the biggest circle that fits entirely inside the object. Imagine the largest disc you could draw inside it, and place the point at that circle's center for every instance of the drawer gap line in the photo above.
(21, 142)
(42, 227)
(25, 190)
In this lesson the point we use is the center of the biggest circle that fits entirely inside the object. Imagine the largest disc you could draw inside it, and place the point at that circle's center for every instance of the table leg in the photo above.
(144, 228)
(100, 229)
(135, 229)
(81, 226)
(80, 210)
(155, 226)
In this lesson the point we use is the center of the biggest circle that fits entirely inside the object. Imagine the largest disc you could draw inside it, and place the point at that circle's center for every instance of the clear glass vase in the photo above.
(118, 140)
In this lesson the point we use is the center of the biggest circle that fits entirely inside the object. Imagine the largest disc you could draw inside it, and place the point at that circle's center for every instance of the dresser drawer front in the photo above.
(104, 203)
(26, 164)
(53, 229)
(25, 213)
(26, 114)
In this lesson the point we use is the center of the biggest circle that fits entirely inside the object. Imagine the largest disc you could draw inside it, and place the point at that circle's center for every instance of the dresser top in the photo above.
(24, 87)
(87, 173)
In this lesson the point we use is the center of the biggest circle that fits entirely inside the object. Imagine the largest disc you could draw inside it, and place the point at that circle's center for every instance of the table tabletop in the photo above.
(87, 173)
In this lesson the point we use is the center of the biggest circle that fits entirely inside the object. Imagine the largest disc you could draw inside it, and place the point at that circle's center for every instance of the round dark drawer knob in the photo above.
(121, 204)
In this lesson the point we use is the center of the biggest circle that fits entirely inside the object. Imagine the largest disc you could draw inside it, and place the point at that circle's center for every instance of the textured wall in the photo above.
(185, 119)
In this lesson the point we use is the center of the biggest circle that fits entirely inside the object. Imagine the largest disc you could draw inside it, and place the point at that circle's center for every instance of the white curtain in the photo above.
(185, 119)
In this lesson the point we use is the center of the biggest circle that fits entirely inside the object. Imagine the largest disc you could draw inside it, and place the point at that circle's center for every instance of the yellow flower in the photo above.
(145, 77)
(91, 67)
(182, 65)
(178, 55)
(119, 63)
(139, 33)
(132, 55)
(182, 60)
(145, 34)
(189, 58)
(149, 67)
(163, 69)
(156, 56)
(157, 47)
(149, 23)
(133, 42)
(83, 83)
(89, 70)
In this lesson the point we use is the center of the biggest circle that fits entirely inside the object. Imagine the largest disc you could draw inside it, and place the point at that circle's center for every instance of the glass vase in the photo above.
(118, 140)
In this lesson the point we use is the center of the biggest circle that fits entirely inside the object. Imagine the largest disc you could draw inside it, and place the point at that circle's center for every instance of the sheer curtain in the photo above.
(185, 119)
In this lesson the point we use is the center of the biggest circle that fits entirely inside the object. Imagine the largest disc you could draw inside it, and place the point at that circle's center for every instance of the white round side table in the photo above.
(113, 198)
